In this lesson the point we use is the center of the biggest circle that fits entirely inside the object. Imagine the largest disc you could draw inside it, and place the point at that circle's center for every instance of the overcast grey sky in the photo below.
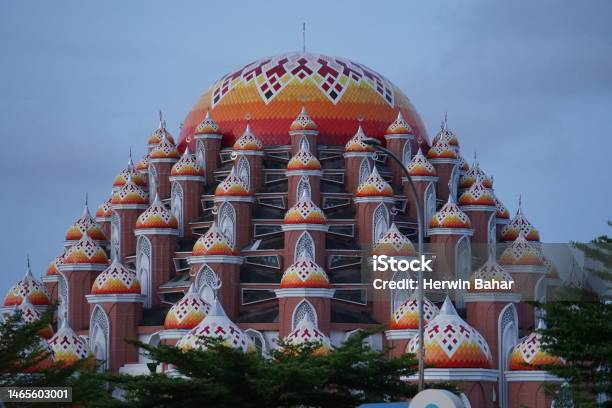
(526, 84)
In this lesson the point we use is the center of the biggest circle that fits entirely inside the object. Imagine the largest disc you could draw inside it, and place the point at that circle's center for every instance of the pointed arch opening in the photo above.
(492, 235)
(258, 340)
(304, 309)
(200, 154)
(304, 145)
(227, 222)
(507, 337)
(176, 206)
(243, 170)
(399, 296)
(99, 335)
(115, 239)
(303, 187)
(153, 177)
(454, 181)
(207, 283)
(305, 247)
(143, 267)
(463, 266)
(407, 153)
(429, 207)
(364, 170)
(380, 222)
(64, 300)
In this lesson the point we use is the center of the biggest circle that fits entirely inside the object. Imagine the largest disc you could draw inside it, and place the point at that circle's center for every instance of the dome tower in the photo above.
(399, 136)
(187, 180)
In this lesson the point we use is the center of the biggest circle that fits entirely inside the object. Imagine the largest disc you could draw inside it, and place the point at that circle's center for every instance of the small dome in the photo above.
(232, 185)
(187, 166)
(67, 347)
(304, 160)
(29, 315)
(529, 354)
(445, 135)
(399, 126)
(116, 280)
(248, 141)
(157, 216)
(306, 332)
(85, 251)
(187, 312)
(130, 193)
(450, 216)
(85, 223)
(53, 268)
(374, 186)
(406, 316)
(105, 210)
(160, 133)
(472, 174)
(127, 173)
(214, 242)
(442, 150)
(356, 144)
(452, 343)
(477, 194)
(519, 224)
(521, 252)
(29, 287)
(207, 126)
(165, 149)
(304, 273)
(501, 212)
(305, 211)
(420, 166)
(303, 122)
(393, 243)
(215, 325)
(143, 165)
(490, 271)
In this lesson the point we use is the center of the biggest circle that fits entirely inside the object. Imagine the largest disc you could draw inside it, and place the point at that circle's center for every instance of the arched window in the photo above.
(398, 296)
(539, 295)
(463, 265)
(244, 171)
(507, 337)
(258, 340)
(454, 181)
(143, 267)
(304, 145)
(304, 247)
(364, 170)
(152, 182)
(115, 236)
(99, 334)
(369, 341)
(430, 204)
(62, 292)
(303, 187)
(380, 222)
(207, 283)
(304, 309)
(200, 154)
(176, 205)
(491, 237)
(227, 222)
(407, 153)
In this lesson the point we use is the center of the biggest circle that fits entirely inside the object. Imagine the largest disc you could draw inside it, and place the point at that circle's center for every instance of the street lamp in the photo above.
(375, 143)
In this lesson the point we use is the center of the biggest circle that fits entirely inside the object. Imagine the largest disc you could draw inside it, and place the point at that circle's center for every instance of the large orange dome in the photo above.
(336, 93)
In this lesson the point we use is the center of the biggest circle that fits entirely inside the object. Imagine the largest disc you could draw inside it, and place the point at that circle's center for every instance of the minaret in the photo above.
(214, 250)
(444, 159)
(399, 137)
(303, 133)
(304, 281)
(183, 316)
(103, 216)
(82, 264)
(234, 201)
(127, 204)
(160, 228)
(358, 161)
(208, 144)
(373, 199)
(424, 177)
(161, 158)
(187, 178)
(304, 228)
(478, 202)
(303, 173)
(248, 151)
(447, 229)
(115, 310)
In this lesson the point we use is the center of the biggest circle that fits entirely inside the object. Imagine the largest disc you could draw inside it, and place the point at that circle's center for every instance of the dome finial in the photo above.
(130, 162)
(162, 123)
(304, 37)
(445, 122)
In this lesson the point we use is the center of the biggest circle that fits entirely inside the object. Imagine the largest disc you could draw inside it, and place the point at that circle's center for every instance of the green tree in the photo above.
(291, 376)
(25, 361)
(579, 330)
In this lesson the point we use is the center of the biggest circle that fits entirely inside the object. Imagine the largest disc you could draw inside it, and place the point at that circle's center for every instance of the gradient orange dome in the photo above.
(271, 91)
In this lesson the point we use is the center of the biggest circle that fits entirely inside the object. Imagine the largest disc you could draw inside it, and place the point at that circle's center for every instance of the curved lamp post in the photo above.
(375, 143)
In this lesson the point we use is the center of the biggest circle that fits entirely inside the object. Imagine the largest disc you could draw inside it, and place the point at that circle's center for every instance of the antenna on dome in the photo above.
(303, 37)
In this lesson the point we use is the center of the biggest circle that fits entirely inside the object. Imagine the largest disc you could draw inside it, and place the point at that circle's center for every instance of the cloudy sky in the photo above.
(526, 84)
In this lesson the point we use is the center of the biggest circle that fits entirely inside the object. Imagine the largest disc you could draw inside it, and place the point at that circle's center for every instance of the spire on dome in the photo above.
(213, 242)
(374, 186)
(187, 166)
(303, 160)
(116, 280)
(519, 224)
(305, 211)
(306, 332)
(304, 273)
(248, 141)
(303, 122)
(450, 216)
(478, 195)
(157, 135)
(399, 126)
(157, 216)
(165, 149)
(406, 315)
(357, 143)
(207, 126)
(419, 166)
(394, 243)
(232, 185)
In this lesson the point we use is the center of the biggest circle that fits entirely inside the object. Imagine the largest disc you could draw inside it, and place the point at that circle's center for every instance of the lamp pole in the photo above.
(377, 145)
